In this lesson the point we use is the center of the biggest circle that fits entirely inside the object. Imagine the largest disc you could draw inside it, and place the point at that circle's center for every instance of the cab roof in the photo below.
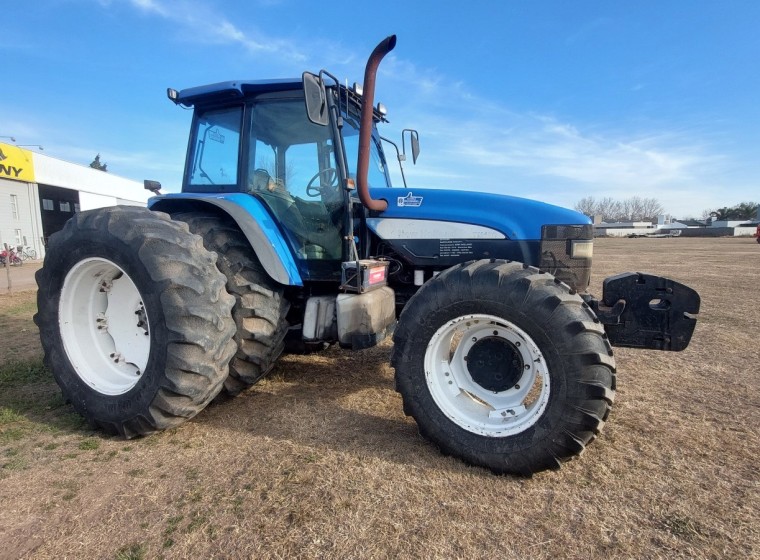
(223, 91)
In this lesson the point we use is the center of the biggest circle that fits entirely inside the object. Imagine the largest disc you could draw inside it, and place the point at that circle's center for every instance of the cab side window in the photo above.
(216, 147)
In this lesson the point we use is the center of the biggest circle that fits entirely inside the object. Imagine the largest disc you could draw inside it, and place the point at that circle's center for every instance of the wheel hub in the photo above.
(487, 375)
(104, 326)
(495, 364)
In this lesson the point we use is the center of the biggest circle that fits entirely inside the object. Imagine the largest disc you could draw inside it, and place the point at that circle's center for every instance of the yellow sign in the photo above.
(16, 164)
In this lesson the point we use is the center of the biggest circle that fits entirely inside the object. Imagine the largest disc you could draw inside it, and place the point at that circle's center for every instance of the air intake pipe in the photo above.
(365, 128)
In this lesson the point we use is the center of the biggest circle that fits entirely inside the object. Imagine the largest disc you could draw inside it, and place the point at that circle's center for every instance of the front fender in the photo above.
(253, 219)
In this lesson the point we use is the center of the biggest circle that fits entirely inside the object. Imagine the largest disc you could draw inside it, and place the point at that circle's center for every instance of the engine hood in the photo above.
(516, 218)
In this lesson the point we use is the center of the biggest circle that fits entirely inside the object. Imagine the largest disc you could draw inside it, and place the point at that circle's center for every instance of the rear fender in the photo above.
(253, 219)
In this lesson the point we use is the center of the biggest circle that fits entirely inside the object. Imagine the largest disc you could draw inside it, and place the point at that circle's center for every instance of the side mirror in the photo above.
(152, 186)
(316, 99)
(414, 140)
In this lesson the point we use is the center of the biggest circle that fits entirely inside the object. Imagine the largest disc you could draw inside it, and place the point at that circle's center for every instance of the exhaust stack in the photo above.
(365, 127)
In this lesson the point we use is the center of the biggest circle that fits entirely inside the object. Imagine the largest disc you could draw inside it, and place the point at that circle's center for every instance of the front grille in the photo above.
(555, 254)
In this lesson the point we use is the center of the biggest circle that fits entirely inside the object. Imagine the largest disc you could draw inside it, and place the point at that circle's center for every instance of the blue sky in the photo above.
(549, 100)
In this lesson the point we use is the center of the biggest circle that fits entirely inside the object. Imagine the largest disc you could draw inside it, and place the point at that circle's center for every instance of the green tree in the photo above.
(722, 214)
(741, 211)
(746, 210)
(96, 164)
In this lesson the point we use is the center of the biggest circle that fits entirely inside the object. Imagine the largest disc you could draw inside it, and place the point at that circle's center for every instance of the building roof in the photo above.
(59, 173)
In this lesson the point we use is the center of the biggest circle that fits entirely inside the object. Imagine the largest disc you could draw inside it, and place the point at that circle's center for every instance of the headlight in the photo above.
(581, 249)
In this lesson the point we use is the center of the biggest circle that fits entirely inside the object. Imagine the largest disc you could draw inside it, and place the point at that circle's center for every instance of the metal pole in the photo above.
(7, 265)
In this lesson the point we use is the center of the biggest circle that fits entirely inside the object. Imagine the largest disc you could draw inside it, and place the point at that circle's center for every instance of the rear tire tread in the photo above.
(196, 312)
(260, 306)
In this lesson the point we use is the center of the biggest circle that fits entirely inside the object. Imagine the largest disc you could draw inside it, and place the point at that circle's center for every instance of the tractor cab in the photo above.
(256, 138)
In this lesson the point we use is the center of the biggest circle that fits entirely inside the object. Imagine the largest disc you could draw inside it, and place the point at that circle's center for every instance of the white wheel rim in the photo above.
(104, 326)
(509, 410)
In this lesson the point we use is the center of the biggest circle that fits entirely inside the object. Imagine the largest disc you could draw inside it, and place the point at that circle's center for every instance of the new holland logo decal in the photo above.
(409, 200)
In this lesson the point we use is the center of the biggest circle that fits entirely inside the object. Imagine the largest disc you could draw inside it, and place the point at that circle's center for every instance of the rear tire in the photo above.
(134, 319)
(260, 306)
(503, 367)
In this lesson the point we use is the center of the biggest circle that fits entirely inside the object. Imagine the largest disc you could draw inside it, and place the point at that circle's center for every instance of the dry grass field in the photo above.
(319, 461)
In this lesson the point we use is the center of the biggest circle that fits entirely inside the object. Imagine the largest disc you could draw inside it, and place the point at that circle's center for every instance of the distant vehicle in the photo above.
(658, 233)
(11, 255)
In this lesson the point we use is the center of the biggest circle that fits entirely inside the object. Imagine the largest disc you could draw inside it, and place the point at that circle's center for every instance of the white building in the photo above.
(623, 229)
(39, 193)
(728, 223)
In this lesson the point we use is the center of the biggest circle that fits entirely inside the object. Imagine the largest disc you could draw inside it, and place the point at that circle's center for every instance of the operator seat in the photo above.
(286, 208)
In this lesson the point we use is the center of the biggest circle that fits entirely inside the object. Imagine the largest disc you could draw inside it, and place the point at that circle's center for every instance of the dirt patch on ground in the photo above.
(319, 460)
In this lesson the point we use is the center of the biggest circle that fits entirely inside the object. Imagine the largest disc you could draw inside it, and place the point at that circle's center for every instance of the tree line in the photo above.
(637, 209)
(632, 209)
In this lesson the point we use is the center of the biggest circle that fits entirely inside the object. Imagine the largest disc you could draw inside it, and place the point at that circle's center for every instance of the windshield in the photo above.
(377, 175)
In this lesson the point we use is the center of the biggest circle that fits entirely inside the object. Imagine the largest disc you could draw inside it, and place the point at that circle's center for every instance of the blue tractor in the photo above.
(287, 236)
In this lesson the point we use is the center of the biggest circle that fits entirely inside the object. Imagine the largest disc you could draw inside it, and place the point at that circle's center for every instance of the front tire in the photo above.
(504, 367)
(134, 319)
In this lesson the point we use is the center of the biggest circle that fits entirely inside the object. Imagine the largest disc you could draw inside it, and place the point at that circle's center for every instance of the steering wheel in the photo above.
(329, 176)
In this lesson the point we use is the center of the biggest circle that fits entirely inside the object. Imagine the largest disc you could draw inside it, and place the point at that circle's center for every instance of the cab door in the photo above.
(292, 169)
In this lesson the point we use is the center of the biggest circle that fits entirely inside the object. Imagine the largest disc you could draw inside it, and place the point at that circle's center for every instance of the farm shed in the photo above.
(38, 193)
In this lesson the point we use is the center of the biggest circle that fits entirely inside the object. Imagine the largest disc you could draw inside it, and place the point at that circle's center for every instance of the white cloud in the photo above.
(202, 23)
(151, 6)
(482, 145)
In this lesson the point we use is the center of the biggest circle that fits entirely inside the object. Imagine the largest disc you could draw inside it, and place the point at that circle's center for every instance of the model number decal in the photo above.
(455, 248)
(409, 200)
